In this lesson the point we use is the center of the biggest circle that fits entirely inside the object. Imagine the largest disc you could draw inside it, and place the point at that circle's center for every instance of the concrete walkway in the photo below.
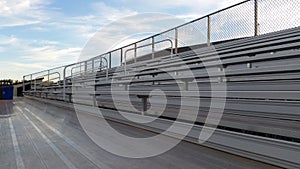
(40, 136)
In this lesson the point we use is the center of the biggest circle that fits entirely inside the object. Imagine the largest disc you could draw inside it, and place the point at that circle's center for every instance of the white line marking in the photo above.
(33, 143)
(19, 160)
(72, 143)
(55, 149)
(19, 109)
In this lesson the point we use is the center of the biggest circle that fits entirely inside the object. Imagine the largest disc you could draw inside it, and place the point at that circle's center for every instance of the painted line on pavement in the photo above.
(82, 151)
(19, 159)
(49, 142)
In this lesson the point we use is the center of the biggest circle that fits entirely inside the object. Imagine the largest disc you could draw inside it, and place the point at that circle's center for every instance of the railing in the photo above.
(41, 75)
(89, 66)
(245, 19)
(85, 70)
(143, 46)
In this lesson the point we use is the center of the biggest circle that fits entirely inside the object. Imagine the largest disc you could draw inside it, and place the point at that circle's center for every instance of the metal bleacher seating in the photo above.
(260, 75)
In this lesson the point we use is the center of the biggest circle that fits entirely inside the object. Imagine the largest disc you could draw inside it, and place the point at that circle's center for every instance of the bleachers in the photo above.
(261, 77)
(258, 77)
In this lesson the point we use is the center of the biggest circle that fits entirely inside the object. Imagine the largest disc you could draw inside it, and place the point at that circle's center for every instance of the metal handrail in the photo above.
(86, 64)
(150, 44)
(101, 57)
(42, 76)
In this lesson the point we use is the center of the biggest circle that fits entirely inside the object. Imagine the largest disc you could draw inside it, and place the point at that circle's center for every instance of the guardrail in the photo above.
(143, 46)
(69, 72)
(86, 70)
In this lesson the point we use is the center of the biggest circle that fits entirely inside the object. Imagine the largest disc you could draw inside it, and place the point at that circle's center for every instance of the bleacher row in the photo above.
(261, 76)
(258, 76)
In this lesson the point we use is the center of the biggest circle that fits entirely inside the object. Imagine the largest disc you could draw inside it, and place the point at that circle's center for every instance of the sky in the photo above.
(40, 34)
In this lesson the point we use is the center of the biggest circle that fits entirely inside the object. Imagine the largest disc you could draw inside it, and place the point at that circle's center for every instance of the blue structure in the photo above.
(6, 90)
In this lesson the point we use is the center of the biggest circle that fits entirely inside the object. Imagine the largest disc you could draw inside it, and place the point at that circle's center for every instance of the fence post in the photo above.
(176, 40)
(48, 78)
(256, 17)
(135, 52)
(30, 83)
(109, 60)
(121, 59)
(35, 85)
(23, 85)
(153, 47)
(93, 65)
(85, 67)
(208, 30)
(64, 83)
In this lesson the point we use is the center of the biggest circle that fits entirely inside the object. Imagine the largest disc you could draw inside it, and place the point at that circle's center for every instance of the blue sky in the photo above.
(40, 34)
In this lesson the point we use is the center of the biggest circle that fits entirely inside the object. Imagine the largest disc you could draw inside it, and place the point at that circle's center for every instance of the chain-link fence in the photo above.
(276, 15)
(233, 23)
(245, 19)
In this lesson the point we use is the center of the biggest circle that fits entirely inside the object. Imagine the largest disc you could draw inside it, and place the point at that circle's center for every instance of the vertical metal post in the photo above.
(135, 52)
(30, 81)
(23, 84)
(102, 58)
(85, 67)
(93, 65)
(109, 59)
(208, 30)
(256, 17)
(125, 64)
(80, 65)
(144, 100)
(101, 63)
(121, 59)
(48, 78)
(153, 47)
(34, 85)
(64, 84)
(176, 40)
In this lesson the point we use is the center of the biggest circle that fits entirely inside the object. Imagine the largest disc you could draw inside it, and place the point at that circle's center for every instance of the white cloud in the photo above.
(52, 54)
(4, 40)
(16, 70)
(190, 7)
(24, 56)
(86, 26)
(17, 7)
(132, 27)
(20, 65)
(33, 55)
(22, 12)
(109, 13)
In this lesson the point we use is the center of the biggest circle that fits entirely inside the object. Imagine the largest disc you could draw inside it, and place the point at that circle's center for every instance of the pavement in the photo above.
(41, 136)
